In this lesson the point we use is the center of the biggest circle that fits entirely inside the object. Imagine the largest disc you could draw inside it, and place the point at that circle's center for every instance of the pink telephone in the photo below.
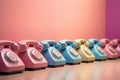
(9, 61)
(30, 53)
(110, 51)
(116, 45)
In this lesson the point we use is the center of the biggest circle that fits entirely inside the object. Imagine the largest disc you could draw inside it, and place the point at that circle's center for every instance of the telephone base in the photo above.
(9, 73)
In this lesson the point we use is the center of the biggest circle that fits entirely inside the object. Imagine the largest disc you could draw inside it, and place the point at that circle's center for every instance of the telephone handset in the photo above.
(67, 48)
(31, 50)
(84, 51)
(84, 45)
(9, 51)
(108, 48)
(71, 44)
(51, 53)
(9, 55)
(9, 44)
(29, 43)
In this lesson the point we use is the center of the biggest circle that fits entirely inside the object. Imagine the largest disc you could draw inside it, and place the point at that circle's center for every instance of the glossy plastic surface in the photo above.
(95, 47)
(69, 52)
(9, 61)
(84, 51)
(115, 43)
(52, 55)
(30, 53)
(110, 51)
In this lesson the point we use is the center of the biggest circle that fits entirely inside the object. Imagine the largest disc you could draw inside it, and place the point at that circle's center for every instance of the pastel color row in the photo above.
(31, 54)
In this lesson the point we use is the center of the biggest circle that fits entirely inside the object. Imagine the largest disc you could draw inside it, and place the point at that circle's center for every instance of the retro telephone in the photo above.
(115, 43)
(95, 47)
(84, 51)
(30, 53)
(53, 56)
(110, 51)
(9, 61)
(68, 51)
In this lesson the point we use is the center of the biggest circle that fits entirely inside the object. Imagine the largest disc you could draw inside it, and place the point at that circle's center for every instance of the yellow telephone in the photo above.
(84, 51)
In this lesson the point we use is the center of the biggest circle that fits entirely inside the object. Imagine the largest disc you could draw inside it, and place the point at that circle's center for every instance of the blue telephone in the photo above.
(52, 55)
(95, 46)
(69, 52)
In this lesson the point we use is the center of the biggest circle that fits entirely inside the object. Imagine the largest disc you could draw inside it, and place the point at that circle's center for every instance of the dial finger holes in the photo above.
(11, 57)
(73, 52)
(36, 55)
(56, 54)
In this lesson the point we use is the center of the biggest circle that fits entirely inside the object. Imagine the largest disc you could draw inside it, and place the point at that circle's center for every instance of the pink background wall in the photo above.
(52, 19)
(113, 19)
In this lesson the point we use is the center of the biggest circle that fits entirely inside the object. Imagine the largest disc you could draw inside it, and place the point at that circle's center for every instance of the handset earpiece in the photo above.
(78, 44)
(104, 42)
(39, 46)
(99, 43)
(23, 47)
(69, 43)
(62, 44)
(59, 46)
(114, 42)
(92, 42)
(74, 44)
(87, 44)
(15, 47)
(45, 45)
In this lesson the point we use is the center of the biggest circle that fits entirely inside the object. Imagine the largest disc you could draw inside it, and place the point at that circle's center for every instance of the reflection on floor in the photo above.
(99, 70)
